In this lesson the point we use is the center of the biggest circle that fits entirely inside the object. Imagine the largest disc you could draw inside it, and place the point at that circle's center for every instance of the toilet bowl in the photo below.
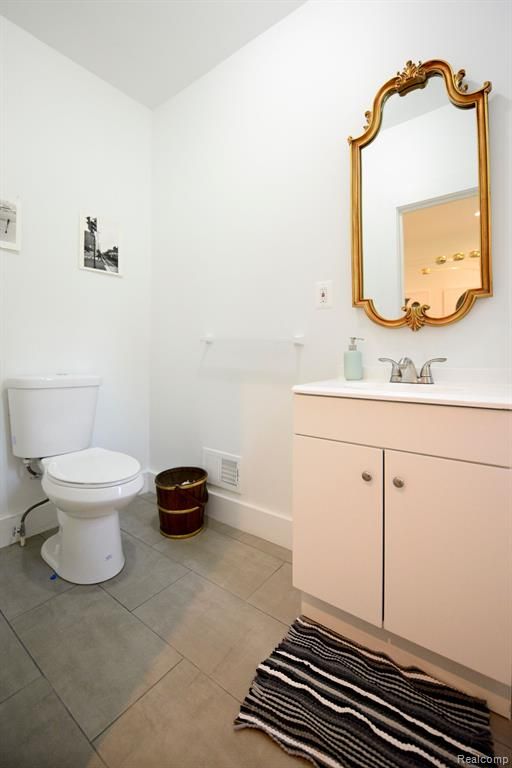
(89, 488)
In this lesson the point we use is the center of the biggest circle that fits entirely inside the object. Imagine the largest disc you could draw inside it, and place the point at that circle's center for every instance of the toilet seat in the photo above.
(92, 468)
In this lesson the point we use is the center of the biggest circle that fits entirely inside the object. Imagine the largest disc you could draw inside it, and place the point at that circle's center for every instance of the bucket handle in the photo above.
(182, 489)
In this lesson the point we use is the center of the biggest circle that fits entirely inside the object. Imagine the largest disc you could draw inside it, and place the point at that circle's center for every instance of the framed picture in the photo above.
(10, 224)
(99, 245)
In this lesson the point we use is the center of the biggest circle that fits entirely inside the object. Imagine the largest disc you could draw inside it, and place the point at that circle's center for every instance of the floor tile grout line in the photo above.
(116, 600)
(142, 695)
(40, 605)
(100, 758)
(498, 738)
(181, 657)
(134, 535)
(268, 579)
(52, 687)
(90, 739)
(15, 693)
(198, 573)
(245, 543)
(229, 538)
(136, 607)
(219, 685)
(501, 744)
(178, 661)
(153, 548)
(157, 633)
(183, 654)
(190, 569)
(173, 668)
(225, 535)
(208, 675)
(169, 557)
(259, 549)
(498, 741)
(271, 616)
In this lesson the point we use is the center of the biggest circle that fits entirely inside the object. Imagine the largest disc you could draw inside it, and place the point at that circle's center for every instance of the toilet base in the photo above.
(85, 550)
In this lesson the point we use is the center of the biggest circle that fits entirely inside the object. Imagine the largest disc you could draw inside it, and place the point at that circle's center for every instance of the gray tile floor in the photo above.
(148, 669)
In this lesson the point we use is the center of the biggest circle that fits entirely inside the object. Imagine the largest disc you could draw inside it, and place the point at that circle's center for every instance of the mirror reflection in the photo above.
(441, 252)
(420, 204)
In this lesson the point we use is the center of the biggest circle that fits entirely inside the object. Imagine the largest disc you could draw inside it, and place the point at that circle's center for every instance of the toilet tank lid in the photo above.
(53, 381)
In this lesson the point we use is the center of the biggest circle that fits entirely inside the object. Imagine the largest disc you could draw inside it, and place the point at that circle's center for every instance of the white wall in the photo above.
(251, 207)
(71, 143)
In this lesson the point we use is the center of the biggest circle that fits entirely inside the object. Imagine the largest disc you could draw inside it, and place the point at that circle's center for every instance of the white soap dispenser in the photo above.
(353, 361)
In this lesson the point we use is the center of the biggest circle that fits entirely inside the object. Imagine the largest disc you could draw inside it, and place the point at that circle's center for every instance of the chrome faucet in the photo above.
(405, 371)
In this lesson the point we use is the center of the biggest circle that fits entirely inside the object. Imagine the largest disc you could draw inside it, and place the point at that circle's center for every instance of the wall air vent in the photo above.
(223, 469)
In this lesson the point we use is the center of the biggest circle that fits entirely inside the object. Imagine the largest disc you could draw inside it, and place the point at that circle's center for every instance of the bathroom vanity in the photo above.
(403, 525)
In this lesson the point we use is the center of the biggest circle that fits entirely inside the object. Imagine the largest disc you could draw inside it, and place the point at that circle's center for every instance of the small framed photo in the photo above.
(99, 245)
(10, 224)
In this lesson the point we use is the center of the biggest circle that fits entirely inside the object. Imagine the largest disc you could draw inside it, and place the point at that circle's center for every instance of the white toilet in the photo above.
(52, 419)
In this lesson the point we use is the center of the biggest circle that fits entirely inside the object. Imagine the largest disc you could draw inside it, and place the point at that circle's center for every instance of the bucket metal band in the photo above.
(179, 511)
(181, 535)
(181, 487)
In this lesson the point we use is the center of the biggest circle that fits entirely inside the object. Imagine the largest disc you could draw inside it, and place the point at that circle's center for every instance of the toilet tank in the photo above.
(51, 415)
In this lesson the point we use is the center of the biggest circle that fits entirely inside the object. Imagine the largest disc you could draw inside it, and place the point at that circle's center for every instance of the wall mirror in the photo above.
(420, 199)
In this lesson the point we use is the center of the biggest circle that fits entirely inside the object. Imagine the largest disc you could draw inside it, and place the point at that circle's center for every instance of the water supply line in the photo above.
(21, 529)
(33, 473)
(27, 463)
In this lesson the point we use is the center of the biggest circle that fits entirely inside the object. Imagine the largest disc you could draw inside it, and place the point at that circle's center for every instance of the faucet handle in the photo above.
(396, 374)
(426, 374)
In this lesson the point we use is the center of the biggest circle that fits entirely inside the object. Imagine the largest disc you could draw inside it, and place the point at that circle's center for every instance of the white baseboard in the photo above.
(268, 525)
(149, 482)
(44, 518)
(39, 520)
(256, 520)
(235, 512)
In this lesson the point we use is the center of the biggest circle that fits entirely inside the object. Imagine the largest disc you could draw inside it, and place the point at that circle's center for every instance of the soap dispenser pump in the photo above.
(352, 361)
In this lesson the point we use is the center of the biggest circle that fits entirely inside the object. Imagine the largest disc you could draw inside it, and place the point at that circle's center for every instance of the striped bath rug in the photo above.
(340, 705)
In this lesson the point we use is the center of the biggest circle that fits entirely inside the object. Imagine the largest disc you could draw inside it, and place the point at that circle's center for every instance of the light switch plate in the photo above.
(324, 294)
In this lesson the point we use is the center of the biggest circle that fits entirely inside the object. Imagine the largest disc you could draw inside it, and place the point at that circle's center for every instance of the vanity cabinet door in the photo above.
(448, 565)
(337, 525)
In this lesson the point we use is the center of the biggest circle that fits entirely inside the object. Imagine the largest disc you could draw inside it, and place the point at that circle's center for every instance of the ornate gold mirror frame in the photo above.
(416, 76)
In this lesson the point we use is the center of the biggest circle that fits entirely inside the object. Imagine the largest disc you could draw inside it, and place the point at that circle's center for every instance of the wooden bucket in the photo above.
(182, 497)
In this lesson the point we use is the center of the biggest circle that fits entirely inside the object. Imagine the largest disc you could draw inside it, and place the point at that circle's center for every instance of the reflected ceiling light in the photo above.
(458, 256)
(474, 254)
(426, 271)
(477, 213)
(441, 260)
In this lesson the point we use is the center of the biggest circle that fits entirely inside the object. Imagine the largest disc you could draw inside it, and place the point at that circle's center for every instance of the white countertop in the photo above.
(469, 395)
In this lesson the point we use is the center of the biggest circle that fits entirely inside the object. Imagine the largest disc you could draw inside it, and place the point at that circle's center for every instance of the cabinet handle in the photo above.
(366, 476)
(398, 482)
